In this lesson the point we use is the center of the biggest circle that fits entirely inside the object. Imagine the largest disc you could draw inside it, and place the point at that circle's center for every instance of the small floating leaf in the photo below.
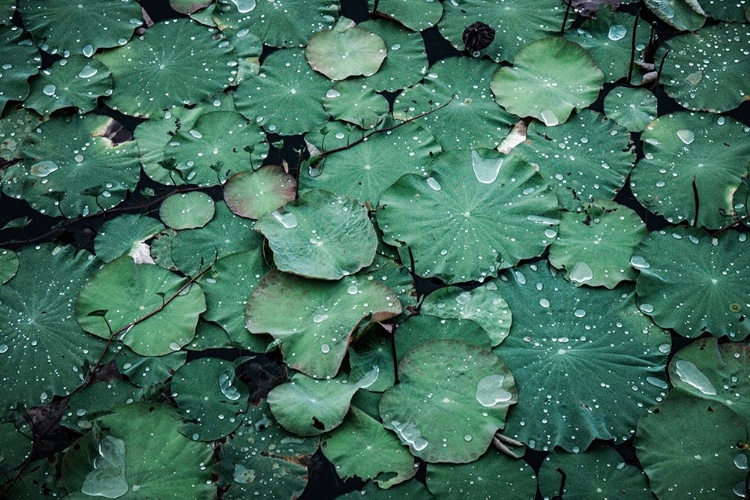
(254, 194)
(187, 210)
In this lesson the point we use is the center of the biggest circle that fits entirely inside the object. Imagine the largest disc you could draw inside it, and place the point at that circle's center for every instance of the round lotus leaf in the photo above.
(279, 23)
(139, 453)
(285, 81)
(16, 447)
(516, 23)
(468, 117)
(587, 363)
(411, 490)
(8, 265)
(262, 460)
(478, 212)
(708, 69)
(187, 210)
(416, 16)
(127, 235)
(76, 28)
(148, 371)
(422, 328)
(450, 400)
(254, 194)
(366, 169)
(354, 102)
(594, 246)
(321, 235)
(15, 126)
(361, 447)
(683, 15)
(695, 283)
(608, 37)
(407, 61)
(175, 62)
(493, 476)
(210, 398)
(693, 164)
(227, 286)
(344, 51)
(20, 61)
(482, 305)
(373, 348)
(38, 325)
(91, 402)
(688, 449)
(631, 108)
(76, 82)
(549, 79)
(73, 167)
(313, 320)
(600, 473)
(588, 157)
(148, 308)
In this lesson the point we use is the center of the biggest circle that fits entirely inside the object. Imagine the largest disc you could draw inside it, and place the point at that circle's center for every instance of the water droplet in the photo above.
(691, 375)
(287, 219)
(549, 118)
(486, 170)
(579, 313)
(550, 233)
(409, 435)
(87, 72)
(543, 220)
(244, 6)
(340, 135)
(49, 89)
(581, 273)
(686, 136)
(227, 388)
(195, 133)
(665, 348)
(490, 391)
(740, 461)
(647, 308)
(333, 94)
(88, 50)
(639, 262)
(43, 168)
(520, 277)
(617, 32)
(352, 290)
(657, 382)
(463, 298)
(467, 438)
(318, 318)
(434, 184)
(3, 349)
(175, 346)
(325, 348)
(544, 303)
(78, 158)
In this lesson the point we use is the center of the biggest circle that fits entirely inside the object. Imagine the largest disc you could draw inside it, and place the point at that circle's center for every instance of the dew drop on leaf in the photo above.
(691, 375)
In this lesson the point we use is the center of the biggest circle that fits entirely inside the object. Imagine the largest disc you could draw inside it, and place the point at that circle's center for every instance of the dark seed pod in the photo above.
(478, 36)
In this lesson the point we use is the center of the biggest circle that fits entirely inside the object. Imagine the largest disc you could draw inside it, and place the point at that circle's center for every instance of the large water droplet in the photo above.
(108, 477)
(87, 72)
(692, 376)
(325, 348)
(244, 6)
(490, 391)
(333, 94)
(287, 219)
(686, 136)
(549, 118)
(409, 435)
(657, 382)
(639, 262)
(319, 318)
(617, 32)
(581, 273)
(88, 50)
(49, 90)
(542, 220)
(434, 184)
(463, 298)
(195, 133)
(486, 170)
(43, 168)
(227, 388)
(740, 461)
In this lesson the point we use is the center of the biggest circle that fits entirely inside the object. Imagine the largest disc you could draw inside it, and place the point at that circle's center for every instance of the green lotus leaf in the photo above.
(189, 6)
(16, 446)
(449, 393)
(38, 324)
(717, 80)
(187, 210)
(227, 286)
(321, 235)
(364, 171)
(262, 460)
(91, 402)
(314, 320)
(344, 51)
(482, 305)
(285, 81)
(354, 102)
(138, 453)
(594, 246)
(148, 308)
(40, 479)
(467, 116)
(587, 363)
(598, 473)
(272, 20)
(254, 194)
(413, 490)
(76, 82)
(407, 60)
(210, 398)
(695, 283)
(516, 22)
(361, 447)
(20, 61)
(148, 371)
(688, 449)
(309, 407)
(416, 16)
(477, 213)
(15, 126)
(175, 62)
(8, 265)
(127, 235)
(630, 108)
(73, 167)
(73, 28)
(422, 328)
(373, 348)
(549, 79)
(493, 476)
(683, 15)
(692, 167)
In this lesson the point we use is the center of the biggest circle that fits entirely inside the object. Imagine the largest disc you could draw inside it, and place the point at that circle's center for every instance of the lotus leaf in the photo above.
(175, 62)
(354, 102)
(151, 310)
(254, 194)
(20, 61)
(148, 371)
(415, 15)
(688, 448)
(407, 60)
(361, 447)
(187, 210)
(630, 108)
(8, 265)
(321, 235)
(452, 394)
(549, 79)
(127, 235)
(684, 15)
(695, 283)
(91, 402)
(38, 323)
(587, 363)
(463, 223)
(692, 167)
(40, 479)
(423, 328)
(16, 446)
(314, 320)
